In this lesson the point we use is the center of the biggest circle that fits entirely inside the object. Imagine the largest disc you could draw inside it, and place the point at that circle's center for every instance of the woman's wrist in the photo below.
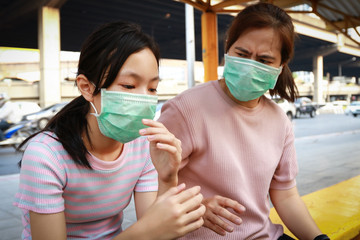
(322, 237)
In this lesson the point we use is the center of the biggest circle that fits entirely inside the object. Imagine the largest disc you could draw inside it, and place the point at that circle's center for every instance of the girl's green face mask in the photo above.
(248, 79)
(121, 114)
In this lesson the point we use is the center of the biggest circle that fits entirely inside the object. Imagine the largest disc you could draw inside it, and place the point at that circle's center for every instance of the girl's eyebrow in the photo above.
(137, 76)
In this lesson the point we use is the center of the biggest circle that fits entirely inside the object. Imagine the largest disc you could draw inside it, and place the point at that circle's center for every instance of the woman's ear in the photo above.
(85, 87)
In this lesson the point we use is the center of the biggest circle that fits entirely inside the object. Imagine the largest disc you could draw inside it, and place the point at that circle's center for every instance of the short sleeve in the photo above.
(148, 180)
(287, 169)
(42, 180)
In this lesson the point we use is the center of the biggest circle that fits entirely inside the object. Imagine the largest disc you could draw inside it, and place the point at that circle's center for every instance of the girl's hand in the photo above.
(165, 150)
(217, 210)
(174, 213)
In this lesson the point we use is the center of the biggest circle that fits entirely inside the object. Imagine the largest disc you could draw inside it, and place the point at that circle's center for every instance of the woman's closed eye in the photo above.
(243, 55)
(264, 61)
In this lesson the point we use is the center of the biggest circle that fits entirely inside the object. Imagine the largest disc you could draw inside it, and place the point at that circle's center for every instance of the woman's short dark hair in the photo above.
(102, 55)
(265, 15)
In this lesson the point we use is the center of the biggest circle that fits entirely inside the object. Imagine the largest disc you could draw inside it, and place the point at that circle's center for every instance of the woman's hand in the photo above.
(217, 211)
(172, 215)
(165, 150)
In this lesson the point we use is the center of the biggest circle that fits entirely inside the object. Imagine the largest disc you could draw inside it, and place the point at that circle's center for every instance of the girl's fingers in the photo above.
(194, 225)
(168, 148)
(192, 203)
(153, 130)
(188, 194)
(173, 191)
(194, 215)
(152, 123)
(163, 137)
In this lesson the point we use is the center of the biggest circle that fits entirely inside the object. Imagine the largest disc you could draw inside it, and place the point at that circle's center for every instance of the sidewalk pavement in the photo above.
(10, 216)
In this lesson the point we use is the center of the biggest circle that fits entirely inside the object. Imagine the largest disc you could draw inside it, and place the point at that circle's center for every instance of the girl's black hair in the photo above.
(102, 55)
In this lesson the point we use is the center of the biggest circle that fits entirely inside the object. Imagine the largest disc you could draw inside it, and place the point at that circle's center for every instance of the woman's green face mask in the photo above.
(248, 79)
(121, 114)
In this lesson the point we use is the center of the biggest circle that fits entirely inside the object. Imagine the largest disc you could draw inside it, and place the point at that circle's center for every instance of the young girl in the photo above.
(79, 173)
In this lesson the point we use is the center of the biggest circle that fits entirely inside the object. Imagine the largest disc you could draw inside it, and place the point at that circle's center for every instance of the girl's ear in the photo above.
(85, 87)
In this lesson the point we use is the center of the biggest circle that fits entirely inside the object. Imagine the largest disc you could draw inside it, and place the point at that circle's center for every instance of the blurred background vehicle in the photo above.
(42, 117)
(353, 108)
(27, 107)
(12, 130)
(16, 134)
(288, 107)
(158, 109)
(304, 106)
(10, 80)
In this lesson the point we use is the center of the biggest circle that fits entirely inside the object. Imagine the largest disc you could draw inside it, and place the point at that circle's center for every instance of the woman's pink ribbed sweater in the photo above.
(235, 152)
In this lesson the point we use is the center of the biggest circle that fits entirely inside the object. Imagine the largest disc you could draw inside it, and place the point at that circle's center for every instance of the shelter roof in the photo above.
(165, 21)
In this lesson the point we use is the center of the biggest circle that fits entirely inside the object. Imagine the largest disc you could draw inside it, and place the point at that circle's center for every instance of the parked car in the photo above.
(304, 106)
(10, 80)
(27, 107)
(288, 107)
(158, 109)
(353, 108)
(42, 117)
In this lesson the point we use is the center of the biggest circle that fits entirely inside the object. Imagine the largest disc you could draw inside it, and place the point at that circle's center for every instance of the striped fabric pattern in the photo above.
(93, 199)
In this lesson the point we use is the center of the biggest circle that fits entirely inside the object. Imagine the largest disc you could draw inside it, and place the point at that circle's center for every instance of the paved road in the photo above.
(328, 150)
(8, 160)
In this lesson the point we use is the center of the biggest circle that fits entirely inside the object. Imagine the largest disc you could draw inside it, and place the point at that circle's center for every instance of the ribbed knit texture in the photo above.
(235, 152)
(93, 200)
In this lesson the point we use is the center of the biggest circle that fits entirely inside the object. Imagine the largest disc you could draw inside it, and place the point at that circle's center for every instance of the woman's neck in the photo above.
(102, 147)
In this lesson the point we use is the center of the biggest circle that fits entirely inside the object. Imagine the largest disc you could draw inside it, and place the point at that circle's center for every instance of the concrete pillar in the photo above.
(209, 45)
(49, 45)
(318, 77)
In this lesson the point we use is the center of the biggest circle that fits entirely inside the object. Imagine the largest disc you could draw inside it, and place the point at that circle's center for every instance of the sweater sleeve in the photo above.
(287, 169)
(176, 123)
(42, 180)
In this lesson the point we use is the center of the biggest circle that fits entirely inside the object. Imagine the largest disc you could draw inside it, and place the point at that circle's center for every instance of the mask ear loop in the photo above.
(96, 114)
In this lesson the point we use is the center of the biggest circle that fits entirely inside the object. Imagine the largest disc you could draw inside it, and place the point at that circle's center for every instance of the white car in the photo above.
(353, 108)
(288, 107)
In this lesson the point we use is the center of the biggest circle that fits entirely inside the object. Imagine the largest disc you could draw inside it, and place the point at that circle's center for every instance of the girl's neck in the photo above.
(102, 147)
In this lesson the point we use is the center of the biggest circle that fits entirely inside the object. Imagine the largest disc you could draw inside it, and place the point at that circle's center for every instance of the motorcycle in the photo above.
(17, 133)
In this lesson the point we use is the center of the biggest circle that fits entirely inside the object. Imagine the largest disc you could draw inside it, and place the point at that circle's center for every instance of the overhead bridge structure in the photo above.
(327, 44)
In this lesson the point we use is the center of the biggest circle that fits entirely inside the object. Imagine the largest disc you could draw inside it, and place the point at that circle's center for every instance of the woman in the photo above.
(78, 174)
(237, 144)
